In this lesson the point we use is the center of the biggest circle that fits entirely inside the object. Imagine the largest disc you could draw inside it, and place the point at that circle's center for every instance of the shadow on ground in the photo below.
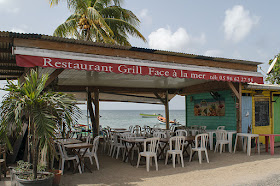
(116, 172)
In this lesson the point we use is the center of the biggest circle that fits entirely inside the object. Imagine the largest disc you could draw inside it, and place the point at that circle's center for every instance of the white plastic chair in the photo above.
(156, 130)
(176, 149)
(147, 130)
(137, 130)
(130, 128)
(194, 130)
(117, 146)
(200, 145)
(221, 139)
(172, 128)
(202, 129)
(168, 133)
(88, 138)
(111, 143)
(129, 136)
(93, 152)
(65, 157)
(181, 133)
(149, 153)
(194, 126)
(105, 140)
(221, 127)
(159, 134)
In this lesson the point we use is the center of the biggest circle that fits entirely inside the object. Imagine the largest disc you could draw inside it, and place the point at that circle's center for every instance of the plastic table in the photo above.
(68, 141)
(76, 150)
(247, 140)
(271, 139)
(229, 134)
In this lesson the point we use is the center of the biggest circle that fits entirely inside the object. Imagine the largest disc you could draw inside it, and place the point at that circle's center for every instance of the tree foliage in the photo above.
(43, 110)
(274, 76)
(99, 21)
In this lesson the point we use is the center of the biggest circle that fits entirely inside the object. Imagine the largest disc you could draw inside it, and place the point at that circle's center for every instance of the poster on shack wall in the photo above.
(209, 107)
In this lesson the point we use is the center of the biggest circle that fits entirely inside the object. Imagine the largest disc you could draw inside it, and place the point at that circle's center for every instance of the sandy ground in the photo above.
(223, 169)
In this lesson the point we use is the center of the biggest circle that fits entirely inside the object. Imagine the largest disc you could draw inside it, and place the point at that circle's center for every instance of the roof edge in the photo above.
(131, 48)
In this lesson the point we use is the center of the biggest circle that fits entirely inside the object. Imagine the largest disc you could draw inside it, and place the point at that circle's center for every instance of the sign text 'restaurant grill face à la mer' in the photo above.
(32, 61)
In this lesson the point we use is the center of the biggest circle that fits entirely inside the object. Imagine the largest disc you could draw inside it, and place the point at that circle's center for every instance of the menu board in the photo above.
(209, 107)
(261, 113)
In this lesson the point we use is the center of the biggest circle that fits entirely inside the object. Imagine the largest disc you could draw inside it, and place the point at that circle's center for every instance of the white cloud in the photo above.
(3, 1)
(9, 6)
(18, 30)
(213, 53)
(238, 23)
(145, 17)
(12, 10)
(179, 41)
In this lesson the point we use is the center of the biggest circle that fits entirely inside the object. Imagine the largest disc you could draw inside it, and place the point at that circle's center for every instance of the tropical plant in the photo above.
(44, 110)
(274, 76)
(99, 20)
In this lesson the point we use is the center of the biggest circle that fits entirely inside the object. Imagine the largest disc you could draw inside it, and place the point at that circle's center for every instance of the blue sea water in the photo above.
(125, 118)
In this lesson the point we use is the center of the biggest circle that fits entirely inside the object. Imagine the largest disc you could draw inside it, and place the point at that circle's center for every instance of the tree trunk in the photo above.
(28, 141)
(35, 161)
(87, 35)
(35, 151)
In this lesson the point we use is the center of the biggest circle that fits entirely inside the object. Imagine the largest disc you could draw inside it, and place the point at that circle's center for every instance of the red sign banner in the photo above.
(32, 61)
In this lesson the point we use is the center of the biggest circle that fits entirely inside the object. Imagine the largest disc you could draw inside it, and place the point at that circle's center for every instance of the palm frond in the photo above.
(95, 17)
(98, 27)
(68, 28)
(124, 28)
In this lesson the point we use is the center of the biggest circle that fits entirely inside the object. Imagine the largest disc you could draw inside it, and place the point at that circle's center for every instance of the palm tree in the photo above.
(99, 20)
(44, 110)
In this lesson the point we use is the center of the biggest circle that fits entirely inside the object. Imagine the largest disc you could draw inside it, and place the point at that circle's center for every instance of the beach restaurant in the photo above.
(101, 72)
(94, 72)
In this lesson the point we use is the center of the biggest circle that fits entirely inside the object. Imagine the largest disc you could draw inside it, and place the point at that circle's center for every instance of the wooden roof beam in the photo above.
(234, 90)
(160, 98)
(54, 75)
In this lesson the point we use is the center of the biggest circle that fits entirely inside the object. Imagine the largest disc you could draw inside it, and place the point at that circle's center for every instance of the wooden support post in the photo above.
(238, 94)
(166, 110)
(91, 114)
(96, 103)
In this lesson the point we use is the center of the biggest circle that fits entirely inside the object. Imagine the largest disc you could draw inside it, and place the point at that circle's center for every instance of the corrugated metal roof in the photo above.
(67, 40)
(255, 86)
(8, 67)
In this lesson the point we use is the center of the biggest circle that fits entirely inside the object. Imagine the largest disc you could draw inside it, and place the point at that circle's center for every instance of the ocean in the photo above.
(125, 118)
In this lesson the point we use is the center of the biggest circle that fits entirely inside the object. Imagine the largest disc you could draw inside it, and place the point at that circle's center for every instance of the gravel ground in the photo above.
(270, 181)
(224, 169)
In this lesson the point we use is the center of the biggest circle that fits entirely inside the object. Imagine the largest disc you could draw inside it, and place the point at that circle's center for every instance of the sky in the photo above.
(236, 29)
